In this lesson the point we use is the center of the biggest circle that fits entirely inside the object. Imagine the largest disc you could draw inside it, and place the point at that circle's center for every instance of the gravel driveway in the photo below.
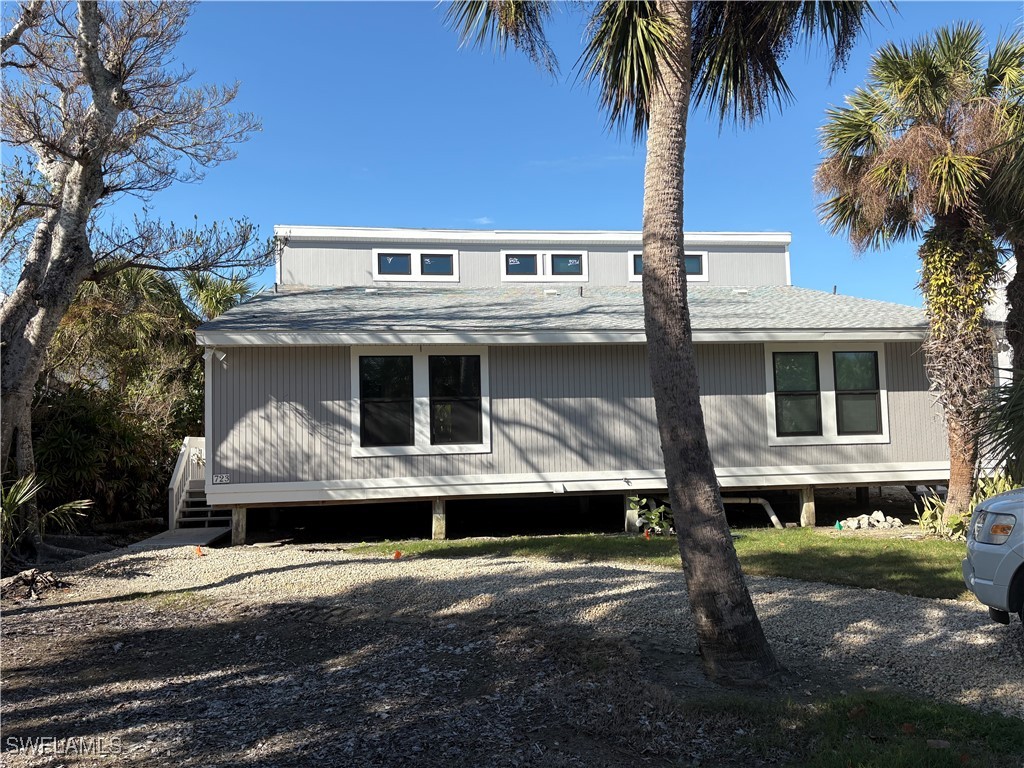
(286, 655)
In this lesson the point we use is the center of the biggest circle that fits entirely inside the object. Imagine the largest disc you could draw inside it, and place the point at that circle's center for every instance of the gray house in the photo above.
(411, 364)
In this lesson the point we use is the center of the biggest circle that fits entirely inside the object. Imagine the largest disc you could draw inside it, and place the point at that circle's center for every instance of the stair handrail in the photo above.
(189, 466)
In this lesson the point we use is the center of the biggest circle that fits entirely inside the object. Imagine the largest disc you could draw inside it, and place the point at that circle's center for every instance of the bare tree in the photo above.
(94, 109)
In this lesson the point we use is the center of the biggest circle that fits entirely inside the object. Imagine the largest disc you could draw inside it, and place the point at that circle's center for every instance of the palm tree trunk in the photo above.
(732, 643)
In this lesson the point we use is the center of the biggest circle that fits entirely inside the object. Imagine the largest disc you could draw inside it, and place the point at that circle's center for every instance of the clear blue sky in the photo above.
(372, 116)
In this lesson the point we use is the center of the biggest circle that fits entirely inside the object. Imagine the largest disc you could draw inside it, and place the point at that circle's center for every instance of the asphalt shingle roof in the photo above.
(535, 308)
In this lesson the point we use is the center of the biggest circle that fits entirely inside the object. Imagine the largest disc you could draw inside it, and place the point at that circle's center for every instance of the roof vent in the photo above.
(741, 291)
(550, 292)
(371, 290)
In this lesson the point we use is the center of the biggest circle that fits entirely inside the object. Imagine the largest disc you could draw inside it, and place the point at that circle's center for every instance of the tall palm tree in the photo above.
(928, 147)
(650, 59)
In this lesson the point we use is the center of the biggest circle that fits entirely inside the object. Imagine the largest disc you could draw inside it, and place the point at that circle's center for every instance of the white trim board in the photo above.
(346, 338)
(391, 235)
(571, 482)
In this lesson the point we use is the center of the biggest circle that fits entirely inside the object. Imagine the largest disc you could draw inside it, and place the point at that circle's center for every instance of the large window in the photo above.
(797, 394)
(455, 415)
(394, 265)
(385, 400)
(858, 399)
(416, 400)
(694, 262)
(540, 266)
(820, 393)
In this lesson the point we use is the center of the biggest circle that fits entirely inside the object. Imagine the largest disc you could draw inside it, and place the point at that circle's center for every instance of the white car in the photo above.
(994, 567)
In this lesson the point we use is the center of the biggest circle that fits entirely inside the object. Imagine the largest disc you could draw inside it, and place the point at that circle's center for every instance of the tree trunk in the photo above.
(732, 643)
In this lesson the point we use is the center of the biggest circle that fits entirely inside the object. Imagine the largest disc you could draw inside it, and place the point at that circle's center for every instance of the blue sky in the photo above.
(372, 116)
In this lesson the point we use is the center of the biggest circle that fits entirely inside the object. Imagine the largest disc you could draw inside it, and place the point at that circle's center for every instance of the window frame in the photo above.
(421, 400)
(877, 391)
(827, 383)
(701, 278)
(819, 431)
(415, 265)
(544, 266)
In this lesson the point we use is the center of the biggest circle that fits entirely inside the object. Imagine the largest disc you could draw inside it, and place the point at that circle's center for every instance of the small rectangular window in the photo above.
(394, 263)
(437, 264)
(455, 403)
(858, 397)
(385, 401)
(566, 264)
(797, 394)
(521, 264)
(694, 265)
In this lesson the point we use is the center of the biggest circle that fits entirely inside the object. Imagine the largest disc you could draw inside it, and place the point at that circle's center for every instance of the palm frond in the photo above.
(626, 42)
(496, 23)
(739, 47)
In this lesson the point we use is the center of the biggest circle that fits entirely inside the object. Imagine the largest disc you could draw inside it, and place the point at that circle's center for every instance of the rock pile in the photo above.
(875, 520)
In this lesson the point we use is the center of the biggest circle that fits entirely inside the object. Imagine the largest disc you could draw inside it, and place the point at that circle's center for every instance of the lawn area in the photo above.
(919, 567)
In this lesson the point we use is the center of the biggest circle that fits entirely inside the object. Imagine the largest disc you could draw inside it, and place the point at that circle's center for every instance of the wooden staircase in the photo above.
(194, 512)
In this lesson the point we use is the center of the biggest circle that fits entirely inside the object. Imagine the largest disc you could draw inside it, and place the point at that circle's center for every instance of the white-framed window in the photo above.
(429, 265)
(545, 266)
(420, 400)
(820, 394)
(696, 263)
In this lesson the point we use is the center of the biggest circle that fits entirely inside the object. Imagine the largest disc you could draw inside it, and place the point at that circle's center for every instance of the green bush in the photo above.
(656, 519)
(955, 527)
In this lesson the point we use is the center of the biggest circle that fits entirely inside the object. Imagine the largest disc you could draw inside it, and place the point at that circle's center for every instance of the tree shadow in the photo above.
(504, 662)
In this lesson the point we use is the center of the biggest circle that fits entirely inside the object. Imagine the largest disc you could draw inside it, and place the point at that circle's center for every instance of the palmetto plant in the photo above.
(19, 518)
(648, 61)
(930, 145)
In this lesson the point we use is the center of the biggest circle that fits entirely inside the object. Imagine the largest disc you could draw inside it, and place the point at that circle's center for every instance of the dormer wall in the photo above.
(322, 257)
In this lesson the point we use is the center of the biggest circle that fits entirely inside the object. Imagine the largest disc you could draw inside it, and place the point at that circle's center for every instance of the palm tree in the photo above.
(919, 149)
(649, 60)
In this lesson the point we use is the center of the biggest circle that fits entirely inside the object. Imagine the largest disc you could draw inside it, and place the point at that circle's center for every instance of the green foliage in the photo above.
(1001, 418)
(124, 384)
(955, 527)
(656, 519)
(15, 525)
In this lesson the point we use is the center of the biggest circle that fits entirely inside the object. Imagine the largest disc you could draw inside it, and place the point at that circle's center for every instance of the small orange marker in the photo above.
(398, 554)
(647, 533)
(199, 551)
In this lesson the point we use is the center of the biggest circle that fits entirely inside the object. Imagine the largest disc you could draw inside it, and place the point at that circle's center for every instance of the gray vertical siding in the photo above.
(282, 414)
(324, 264)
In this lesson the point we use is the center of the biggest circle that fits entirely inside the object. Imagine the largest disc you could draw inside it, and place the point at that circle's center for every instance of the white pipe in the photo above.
(754, 500)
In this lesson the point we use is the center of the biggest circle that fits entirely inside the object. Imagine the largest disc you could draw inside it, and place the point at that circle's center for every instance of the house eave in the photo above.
(631, 238)
(725, 336)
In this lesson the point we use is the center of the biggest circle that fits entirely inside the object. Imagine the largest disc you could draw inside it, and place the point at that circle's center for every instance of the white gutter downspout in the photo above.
(754, 500)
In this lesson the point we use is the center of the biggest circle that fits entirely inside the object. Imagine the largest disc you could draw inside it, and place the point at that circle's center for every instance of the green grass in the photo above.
(883, 731)
(920, 567)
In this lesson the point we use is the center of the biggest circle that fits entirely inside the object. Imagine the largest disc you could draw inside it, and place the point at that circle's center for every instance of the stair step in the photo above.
(203, 522)
(196, 484)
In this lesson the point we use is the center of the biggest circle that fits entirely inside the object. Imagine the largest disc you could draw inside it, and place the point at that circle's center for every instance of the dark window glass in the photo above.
(638, 263)
(437, 264)
(455, 405)
(797, 394)
(394, 263)
(521, 264)
(566, 264)
(385, 401)
(694, 264)
(858, 397)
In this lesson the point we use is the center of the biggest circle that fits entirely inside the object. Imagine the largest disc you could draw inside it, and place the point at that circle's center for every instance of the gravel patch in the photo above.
(286, 655)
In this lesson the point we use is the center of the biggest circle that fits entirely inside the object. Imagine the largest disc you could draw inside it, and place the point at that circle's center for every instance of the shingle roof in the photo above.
(432, 310)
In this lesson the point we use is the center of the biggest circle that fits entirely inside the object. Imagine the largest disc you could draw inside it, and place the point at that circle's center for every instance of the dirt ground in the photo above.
(302, 656)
